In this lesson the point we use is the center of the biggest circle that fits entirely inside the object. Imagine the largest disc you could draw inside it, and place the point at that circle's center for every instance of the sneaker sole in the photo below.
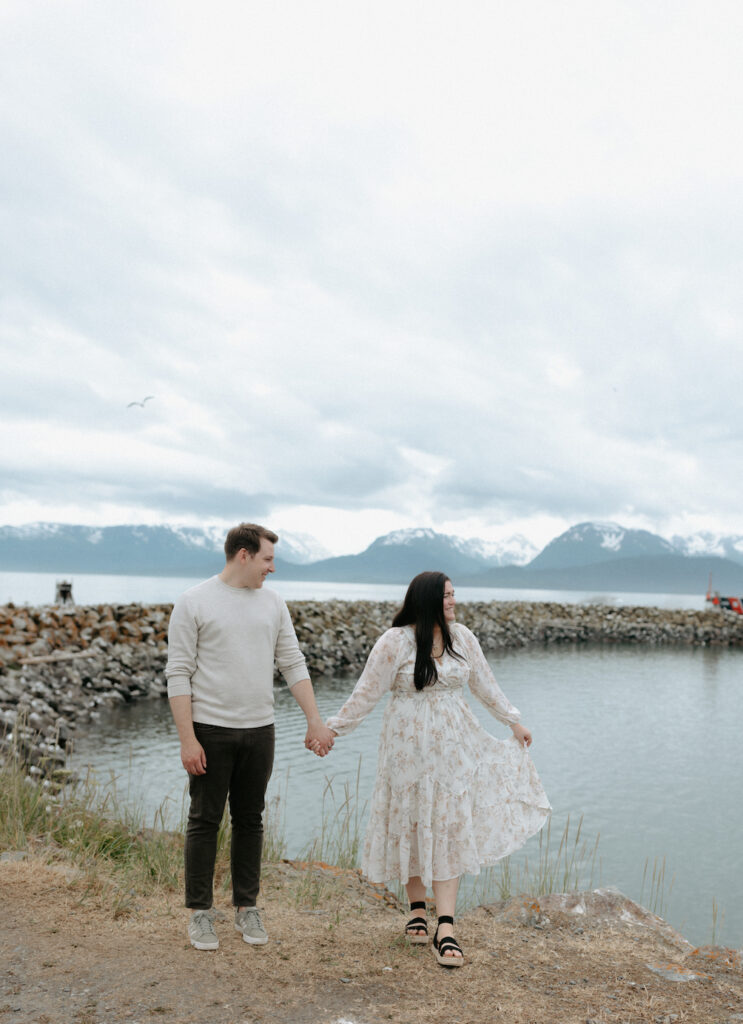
(249, 939)
(204, 945)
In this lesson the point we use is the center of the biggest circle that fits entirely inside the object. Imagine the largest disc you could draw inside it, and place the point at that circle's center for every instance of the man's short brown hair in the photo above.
(248, 536)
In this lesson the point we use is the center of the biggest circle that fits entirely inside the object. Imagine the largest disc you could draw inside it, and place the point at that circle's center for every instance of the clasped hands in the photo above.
(319, 739)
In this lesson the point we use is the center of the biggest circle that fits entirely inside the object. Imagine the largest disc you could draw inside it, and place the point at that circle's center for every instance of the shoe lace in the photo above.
(251, 913)
(202, 919)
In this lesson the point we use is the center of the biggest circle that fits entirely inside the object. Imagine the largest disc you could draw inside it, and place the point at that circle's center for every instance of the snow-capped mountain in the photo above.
(594, 556)
(300, 548)
(34, 530)
(418, 550)
(516, 550)
(133, 550)
(591, 543)
(408, 537)
(707, 543)
(589, 556)
(398, 556)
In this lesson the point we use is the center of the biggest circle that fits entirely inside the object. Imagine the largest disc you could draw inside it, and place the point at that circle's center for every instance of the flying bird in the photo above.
(141, 404)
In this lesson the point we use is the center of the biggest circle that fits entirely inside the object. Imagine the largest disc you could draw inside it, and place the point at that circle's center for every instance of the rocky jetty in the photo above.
(60, 664)
(518, 623)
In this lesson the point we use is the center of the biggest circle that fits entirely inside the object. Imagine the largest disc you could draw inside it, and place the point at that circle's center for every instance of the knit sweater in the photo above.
(222, 643)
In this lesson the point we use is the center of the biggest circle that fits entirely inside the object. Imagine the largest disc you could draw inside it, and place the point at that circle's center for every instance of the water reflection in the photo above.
(711, 661)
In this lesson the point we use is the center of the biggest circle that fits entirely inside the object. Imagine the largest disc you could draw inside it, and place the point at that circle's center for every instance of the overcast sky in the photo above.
(476, 266)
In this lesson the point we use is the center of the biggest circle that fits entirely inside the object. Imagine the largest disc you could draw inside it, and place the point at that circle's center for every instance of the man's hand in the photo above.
(193, 757)
(319, 738)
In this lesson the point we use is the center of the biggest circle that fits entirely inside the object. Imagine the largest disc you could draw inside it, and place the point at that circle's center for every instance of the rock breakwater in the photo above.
(60, 665)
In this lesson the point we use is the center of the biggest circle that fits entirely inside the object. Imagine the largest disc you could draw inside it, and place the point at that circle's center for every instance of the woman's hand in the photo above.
(522, 734)
(319, 748)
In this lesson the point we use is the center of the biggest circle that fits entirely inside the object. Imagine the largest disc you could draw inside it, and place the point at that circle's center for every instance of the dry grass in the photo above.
(64, 955)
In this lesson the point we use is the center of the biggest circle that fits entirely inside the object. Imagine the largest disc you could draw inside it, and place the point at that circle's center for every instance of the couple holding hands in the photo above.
(448, 798)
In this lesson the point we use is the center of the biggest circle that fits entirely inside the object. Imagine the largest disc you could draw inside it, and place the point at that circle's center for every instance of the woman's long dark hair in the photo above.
(423, 608)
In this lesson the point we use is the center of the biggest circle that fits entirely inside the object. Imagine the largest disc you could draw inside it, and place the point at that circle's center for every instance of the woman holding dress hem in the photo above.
(449, 797)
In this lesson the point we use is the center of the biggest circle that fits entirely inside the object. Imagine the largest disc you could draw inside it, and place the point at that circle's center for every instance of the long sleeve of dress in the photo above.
(374, 682)
(482, 681)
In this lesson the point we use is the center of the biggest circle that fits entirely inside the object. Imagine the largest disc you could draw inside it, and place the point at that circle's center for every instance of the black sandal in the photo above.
(416, 925)
(441, 946)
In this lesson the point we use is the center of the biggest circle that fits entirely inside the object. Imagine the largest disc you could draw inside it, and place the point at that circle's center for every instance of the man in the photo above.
(223, 638)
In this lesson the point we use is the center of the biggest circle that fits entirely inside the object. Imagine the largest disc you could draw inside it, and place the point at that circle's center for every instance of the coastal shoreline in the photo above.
(59, 664)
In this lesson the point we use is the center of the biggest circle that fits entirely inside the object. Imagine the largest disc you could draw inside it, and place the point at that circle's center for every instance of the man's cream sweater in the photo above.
(222, 643)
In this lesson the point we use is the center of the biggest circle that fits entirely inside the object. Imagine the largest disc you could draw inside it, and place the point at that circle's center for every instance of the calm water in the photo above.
(644, 744)
(39, 588)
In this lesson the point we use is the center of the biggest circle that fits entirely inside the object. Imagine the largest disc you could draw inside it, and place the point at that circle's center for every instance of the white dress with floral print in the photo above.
(449, 797)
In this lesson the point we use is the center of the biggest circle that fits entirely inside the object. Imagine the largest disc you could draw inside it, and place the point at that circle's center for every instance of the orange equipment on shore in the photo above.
(725, 604)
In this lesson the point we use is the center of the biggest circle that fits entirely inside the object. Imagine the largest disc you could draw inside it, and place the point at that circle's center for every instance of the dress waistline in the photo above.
(427, 693)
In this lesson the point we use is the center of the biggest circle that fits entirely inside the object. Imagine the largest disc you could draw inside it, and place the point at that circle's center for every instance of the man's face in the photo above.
(258, 566)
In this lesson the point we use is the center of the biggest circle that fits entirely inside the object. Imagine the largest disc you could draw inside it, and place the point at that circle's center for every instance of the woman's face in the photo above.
(449, 602)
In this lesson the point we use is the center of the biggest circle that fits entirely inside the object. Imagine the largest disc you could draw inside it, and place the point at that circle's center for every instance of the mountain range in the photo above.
(589, 556)
(129, 550)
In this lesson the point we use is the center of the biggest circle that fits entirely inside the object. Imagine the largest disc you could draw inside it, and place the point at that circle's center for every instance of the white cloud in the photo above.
(407, 265)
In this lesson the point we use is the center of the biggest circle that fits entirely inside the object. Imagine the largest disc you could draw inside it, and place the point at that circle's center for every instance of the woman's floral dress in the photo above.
(449, 797)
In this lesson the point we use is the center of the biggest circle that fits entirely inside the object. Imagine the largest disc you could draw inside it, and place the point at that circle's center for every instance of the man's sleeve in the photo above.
(182, 641)
(289, 658)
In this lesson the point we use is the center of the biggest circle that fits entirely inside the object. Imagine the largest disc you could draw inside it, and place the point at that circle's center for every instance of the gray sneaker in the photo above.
(201, 930)
(248, 921)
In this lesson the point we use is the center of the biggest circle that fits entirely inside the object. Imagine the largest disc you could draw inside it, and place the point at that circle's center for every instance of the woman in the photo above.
(448, 797)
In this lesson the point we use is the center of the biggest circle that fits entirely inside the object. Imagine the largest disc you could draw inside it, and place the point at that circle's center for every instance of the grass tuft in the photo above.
(718, 920)
(339, 840)
(83, 821)
(569, 868)
(658, 897)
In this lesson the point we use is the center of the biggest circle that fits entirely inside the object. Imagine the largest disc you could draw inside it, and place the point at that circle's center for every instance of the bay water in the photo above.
(641, 743)
(38, 588)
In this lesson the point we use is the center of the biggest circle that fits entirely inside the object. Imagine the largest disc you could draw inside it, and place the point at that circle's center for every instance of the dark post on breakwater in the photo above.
(59, 663)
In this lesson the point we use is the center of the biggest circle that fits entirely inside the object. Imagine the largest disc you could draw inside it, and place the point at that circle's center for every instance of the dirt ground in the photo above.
(336, 956)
